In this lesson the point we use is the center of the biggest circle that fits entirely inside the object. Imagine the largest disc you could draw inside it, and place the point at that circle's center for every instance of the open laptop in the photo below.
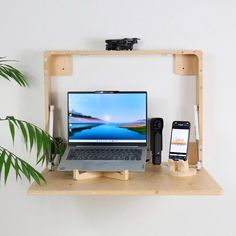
(107, 131)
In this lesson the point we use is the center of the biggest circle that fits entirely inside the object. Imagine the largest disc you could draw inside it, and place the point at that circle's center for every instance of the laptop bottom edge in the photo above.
(103, 165)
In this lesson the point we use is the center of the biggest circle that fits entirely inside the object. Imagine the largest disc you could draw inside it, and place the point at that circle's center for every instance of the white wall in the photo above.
(30, 27)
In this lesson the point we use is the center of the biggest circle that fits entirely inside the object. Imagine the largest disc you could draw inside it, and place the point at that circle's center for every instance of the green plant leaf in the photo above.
(41, 178)
(33, 173)
(2, 159)
(12, 118)
(25, 171)
(46, 143)
(41, 159)
(7, 167)
(24, 132)
(17, 169)
(3, 75)
(17, 74)
(12, 129)
(46, 148)
(19, 165)
(31, 134)
(39, 141)
(9, 72)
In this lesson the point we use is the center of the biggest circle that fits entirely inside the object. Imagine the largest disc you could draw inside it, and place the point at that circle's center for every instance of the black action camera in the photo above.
(156, 126)
(121, 44)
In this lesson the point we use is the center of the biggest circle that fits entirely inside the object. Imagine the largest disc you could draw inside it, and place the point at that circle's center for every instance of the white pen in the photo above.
(196, 128)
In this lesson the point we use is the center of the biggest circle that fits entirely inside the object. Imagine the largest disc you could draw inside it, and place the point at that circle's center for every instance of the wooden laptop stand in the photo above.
(81, 175)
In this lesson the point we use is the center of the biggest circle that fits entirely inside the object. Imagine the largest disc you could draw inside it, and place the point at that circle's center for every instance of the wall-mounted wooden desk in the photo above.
(154, 181)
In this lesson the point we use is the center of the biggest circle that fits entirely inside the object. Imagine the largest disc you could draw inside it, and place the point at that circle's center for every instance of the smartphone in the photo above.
(179, 140)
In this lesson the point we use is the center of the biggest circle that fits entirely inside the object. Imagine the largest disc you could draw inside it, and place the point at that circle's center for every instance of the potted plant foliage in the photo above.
(33, 136)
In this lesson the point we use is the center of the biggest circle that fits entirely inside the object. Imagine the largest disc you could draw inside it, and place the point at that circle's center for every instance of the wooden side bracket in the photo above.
(186, 64)
(123, 175)
(60, 65)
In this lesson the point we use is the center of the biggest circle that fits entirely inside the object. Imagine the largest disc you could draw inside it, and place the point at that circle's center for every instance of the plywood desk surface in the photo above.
(154, 181)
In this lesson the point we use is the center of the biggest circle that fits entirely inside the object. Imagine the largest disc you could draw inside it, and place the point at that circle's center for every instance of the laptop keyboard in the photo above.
(105, 154)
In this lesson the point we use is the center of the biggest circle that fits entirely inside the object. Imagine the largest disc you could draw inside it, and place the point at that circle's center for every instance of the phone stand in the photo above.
(180, 168)
(82, 175)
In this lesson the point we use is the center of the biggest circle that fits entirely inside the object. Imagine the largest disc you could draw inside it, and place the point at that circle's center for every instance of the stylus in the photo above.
(196, 127)
(50, 131)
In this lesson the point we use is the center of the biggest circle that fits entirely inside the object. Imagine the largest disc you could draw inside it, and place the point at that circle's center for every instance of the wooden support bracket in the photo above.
(123, 175)
(60, 65)
(186, 64)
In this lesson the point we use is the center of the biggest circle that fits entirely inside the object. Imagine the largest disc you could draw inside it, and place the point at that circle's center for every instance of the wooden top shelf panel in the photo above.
(154, 181)
(134, 52)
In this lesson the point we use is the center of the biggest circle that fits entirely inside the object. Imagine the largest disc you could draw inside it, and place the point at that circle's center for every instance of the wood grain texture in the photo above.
(186, 64)
(123, 175)
(60, 65)
(154, 181)
(199, 94)
(192, 153)
(134, 52)
(180, 168)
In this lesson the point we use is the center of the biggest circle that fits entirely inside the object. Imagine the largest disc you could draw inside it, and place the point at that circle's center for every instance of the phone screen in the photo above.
(179, 141)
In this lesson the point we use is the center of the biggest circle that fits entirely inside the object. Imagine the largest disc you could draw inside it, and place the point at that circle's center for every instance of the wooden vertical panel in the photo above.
(192, 153)
(191, 64)
(54, 65)
(47, 88)
(199, 94)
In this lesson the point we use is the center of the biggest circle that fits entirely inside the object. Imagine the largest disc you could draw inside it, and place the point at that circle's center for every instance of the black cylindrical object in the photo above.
(156, 127)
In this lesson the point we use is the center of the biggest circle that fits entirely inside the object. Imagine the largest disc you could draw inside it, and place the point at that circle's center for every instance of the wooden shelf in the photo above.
(154, 181)
(134, 52)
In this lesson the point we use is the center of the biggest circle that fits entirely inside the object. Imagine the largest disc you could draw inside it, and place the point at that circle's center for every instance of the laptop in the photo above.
(107, 131)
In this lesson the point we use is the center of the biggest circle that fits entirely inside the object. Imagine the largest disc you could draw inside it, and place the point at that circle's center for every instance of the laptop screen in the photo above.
(107, 117)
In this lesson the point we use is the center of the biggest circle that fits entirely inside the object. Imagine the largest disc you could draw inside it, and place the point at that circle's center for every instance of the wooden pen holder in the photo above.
(180, 168)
